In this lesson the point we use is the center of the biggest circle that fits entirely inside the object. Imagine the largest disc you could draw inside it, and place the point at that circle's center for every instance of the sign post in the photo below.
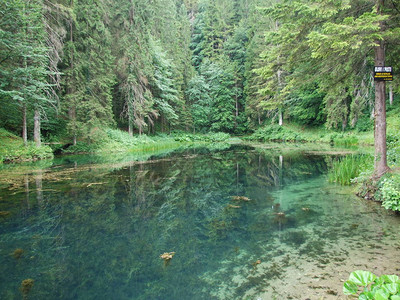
(383, 74)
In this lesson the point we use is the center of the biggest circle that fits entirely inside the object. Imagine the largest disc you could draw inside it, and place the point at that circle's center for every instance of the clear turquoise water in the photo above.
(94, 230)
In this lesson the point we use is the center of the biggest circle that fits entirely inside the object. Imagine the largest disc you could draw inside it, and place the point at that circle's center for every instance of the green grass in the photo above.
(114, 141)
(12, 148)
(290, 132)
(345, 169)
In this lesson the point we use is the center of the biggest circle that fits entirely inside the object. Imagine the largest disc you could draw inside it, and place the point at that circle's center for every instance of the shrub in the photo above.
(82, 147)
(275, 133)
(390, 192)
(393, 152)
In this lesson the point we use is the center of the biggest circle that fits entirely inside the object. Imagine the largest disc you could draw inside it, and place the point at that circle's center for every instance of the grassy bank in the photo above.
(12, 148)
(296, 133)
(358, 169)
(114, 140)
(359, 136)
(104, 142)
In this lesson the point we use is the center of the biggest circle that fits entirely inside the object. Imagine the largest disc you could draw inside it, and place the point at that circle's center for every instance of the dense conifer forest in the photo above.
(71, 68)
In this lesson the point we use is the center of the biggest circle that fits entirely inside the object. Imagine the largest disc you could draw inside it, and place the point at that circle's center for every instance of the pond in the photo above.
(239, 223)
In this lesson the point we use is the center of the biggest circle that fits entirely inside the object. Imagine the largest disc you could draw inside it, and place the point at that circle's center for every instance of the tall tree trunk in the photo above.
(280, 117)
(236, 105)
(130, 119)
(36, 128)
(380, 166)
(391, 94)
(24, 128)
(71, 88)
(130, 127)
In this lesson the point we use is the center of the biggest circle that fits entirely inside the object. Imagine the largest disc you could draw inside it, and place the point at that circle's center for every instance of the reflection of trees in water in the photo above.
(103, 234)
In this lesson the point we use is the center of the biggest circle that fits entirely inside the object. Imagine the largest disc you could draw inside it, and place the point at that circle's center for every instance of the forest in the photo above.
(71, 68)
(115, 79)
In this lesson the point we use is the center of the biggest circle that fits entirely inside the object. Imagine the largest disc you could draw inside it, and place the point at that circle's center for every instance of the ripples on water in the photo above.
(243, 223)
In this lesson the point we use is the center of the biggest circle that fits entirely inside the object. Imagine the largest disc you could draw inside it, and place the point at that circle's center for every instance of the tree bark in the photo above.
(391, 95)
(24, 128)
(36, 128)
(380, 166)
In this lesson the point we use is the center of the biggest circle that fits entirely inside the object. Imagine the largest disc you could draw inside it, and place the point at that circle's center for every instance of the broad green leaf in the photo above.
(391, 288)
(395, 297)
(350, 288)
(381, 294)
(390, 278)
(366, 296)
(362, 278)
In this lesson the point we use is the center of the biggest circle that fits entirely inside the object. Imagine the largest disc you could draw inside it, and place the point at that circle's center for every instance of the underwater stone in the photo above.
(26, 286)
(17, 254)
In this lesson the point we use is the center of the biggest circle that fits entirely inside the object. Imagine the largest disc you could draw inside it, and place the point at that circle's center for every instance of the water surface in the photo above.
(244, 223)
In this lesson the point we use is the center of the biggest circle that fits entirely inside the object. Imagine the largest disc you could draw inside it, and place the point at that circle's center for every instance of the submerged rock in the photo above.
(167, 256)
(26, 286)
(240, 198)
(17, 254)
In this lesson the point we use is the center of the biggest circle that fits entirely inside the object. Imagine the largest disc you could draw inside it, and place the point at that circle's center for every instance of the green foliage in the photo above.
(306, 106)
(12, 149)
(340, 139)
(390, 191)
(371, 286)
(364, 124)
(347, 168)
(393, 152)
(275, 132)
(210, 137)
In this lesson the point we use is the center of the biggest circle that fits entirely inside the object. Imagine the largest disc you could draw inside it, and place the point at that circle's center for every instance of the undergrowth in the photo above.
(12, 148)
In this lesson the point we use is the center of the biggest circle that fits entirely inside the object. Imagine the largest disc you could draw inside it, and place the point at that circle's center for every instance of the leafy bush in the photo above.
(365, 124)
(275, 132)
(210, 137)
(29, 152)
(82, 147)
(393, 152)
(120, 137)
(390, 192)
(347, 168)
(371, 286)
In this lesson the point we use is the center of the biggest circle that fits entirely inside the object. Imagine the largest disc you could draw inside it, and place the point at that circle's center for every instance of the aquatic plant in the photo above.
(347, 168)
(371, 286)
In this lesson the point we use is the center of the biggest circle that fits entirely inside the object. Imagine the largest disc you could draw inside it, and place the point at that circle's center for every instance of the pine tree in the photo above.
(24, 57)
(89, 77)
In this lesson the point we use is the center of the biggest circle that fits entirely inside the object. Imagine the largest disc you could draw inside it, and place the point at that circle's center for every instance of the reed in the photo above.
(346, 168)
